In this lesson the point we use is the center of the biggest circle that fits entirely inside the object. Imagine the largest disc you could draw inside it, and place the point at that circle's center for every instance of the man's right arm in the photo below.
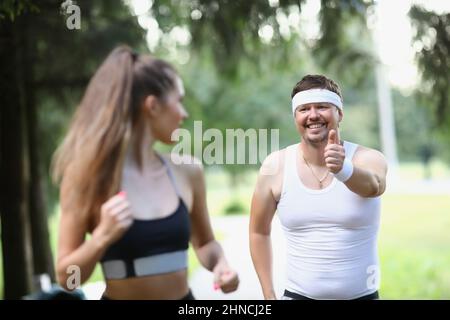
(262, 210)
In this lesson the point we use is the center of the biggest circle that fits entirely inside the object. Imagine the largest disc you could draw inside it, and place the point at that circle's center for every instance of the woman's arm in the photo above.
(207, 249)
(77, 257)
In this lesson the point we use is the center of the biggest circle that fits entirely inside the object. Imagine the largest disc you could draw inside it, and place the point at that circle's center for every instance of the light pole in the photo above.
(385, 109)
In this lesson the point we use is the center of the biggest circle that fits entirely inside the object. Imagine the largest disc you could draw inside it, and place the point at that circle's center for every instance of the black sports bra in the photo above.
(151, 247)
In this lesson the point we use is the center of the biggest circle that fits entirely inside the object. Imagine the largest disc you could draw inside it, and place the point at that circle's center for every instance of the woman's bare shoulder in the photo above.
(186, 165)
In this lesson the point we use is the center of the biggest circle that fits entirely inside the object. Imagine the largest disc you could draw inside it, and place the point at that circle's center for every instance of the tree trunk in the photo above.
(42, 254)
(16, 247)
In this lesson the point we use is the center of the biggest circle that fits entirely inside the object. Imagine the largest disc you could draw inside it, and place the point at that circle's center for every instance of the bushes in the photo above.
(235, 206)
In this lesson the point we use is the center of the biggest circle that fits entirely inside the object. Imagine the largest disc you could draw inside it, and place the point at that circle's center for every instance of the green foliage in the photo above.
(11, 9)
(234, 207)
(229, 28)
(360, 125)
(345, 44)
(433, 36)
(414, 128)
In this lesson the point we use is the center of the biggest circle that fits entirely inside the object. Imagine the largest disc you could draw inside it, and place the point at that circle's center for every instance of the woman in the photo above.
(139, 207)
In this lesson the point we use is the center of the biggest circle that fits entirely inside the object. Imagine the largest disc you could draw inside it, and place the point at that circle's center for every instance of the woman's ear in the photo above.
(151, 105)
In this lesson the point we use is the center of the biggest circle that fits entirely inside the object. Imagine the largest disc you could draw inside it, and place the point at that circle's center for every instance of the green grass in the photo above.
(414, 239)
(413, 171)
(414, 247)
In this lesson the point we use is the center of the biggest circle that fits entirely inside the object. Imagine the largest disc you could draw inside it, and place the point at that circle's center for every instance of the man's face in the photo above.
(315, 120)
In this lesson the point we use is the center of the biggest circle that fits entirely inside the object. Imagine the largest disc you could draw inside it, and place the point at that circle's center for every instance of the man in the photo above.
(326, 192)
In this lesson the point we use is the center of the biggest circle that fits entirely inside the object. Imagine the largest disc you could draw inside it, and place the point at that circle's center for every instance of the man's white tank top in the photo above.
(331, 236)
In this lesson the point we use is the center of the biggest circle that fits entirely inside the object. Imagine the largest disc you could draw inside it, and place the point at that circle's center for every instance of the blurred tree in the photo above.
(13, 171)
(44, 67)
(236, 30)
(230, 28)
(10, 9)
(432, 40)
(345, 45)
(412, 120)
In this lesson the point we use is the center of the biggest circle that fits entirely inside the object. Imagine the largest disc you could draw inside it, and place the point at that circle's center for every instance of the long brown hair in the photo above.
(89, 161)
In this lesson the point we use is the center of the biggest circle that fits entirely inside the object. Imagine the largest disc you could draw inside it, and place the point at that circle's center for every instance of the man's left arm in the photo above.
(369, 173)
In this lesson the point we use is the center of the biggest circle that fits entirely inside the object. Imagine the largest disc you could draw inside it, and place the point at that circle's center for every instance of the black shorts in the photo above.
(188, 296)
(296, 296)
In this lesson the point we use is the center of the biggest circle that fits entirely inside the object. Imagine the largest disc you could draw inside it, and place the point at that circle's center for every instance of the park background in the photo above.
(239, 61)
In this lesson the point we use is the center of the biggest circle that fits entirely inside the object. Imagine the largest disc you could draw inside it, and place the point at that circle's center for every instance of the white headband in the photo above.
(315, 95)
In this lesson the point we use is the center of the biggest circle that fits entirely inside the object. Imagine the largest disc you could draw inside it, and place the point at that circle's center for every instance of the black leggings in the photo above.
(296, 296)
(188, 296)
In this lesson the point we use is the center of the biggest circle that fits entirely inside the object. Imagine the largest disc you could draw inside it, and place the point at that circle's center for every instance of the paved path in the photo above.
(236, 246)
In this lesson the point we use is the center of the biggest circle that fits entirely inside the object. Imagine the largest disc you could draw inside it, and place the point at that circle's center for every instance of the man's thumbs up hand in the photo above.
(333, 137)
(334, 153)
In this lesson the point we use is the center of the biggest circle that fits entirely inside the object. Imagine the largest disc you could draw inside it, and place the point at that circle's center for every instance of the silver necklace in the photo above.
(312, 171)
